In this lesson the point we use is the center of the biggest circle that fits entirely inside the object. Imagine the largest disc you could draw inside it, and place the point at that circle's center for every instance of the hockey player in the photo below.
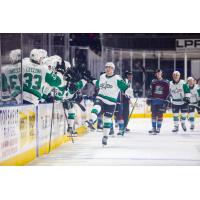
(35, 75)
(109, 86)
(49, 87)
(158, 100)
(11, 76)
(126, 100)
(194, 101)
(118, 114)
(70, 98)
(66, 92)
(180, 94)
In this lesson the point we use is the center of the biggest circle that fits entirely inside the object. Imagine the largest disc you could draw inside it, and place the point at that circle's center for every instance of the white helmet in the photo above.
(110, 64)
(38, 55)
(177, 73)
(15, 56)
(190, 78)
(67, 64)
(52, 61)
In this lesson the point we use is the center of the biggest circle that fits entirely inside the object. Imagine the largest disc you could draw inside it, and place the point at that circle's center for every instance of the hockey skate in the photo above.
(175, 130)
(192, 127)
(111, 132)
(89, 124)
(183, 126)
(127, 130)
(121, 132)
(72, 132)
(157, 131)
(104, 140)
(152, 131)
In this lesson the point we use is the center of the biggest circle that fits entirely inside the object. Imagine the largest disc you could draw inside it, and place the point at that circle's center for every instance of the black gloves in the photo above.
(186, 100)
(73, 87)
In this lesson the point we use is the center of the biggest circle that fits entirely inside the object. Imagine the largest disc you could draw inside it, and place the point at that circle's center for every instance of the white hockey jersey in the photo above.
(35, 76)
(109, 88)
(11, 87)
(178, 91)
(195, 94)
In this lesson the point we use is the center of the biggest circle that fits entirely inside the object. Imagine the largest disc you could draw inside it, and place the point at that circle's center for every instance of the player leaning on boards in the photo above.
(194, 101)
(109, 85)
(36, 75)
(158, 100)
(180, 94)
(64, 92)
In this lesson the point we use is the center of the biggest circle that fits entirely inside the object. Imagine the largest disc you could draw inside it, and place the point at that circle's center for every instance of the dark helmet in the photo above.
(158, 70)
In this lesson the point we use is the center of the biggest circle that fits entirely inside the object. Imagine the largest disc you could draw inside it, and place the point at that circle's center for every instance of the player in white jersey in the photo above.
(49, 86)
(180, 94)
(67, 95)
(109, 85)
(194, 101)
(35, 75)
(65, 91)
(11, 76)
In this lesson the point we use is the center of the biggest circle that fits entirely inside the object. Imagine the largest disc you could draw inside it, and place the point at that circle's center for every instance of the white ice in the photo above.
(134, 148)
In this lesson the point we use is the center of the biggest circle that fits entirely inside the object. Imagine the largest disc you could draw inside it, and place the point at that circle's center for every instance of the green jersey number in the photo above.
(13, 81)
(33, 81)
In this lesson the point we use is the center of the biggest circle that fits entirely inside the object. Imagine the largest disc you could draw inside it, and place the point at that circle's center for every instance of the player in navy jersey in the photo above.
(158, 100)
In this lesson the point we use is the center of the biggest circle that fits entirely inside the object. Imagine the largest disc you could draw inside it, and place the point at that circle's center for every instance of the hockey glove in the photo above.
(186, 100)
(73, 87)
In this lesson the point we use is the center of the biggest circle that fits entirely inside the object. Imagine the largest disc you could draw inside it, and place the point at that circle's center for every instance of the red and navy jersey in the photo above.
(159, 89)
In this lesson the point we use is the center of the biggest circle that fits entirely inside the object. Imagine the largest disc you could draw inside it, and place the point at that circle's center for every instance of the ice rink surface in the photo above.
(135, 148)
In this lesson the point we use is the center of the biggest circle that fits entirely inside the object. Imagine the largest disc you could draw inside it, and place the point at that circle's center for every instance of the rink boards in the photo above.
(142, 110)
(25, 132)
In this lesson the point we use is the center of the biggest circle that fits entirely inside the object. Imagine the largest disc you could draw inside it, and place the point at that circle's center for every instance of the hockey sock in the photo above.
(107, 126)
(183, 117)
(191, 118)
(176, 119)
(154, 123)
(71, 119)
(94, 113)
(159, 120)
(121, 124)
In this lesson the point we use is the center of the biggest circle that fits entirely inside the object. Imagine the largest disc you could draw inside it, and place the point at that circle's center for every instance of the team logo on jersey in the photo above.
(105, 86)
(158, 89)
(177, 90)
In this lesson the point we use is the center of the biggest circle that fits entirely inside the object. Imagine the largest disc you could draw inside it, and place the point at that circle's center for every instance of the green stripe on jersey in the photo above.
(31, 91)
(186, 89)
(122, 85)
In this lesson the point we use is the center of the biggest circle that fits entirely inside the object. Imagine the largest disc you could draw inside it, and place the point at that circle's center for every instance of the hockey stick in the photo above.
(145, 75)
(192, 105)
(80, 106)
(52, 116)
(67, 124)
(129, 117)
